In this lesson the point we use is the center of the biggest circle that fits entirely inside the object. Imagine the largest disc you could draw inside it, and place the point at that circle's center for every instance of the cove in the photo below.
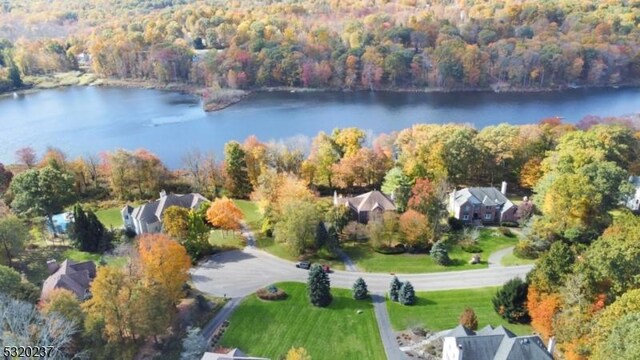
(89, 120)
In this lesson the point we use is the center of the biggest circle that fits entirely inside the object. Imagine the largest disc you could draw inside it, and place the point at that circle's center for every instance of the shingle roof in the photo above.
(522, 348)
(75, 277)
(487, 196)
(152, 211)
(369, 201)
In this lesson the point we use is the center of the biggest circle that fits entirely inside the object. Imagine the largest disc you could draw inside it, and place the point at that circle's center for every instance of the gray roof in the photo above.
(487, 196)
(498, 344)
(75, 277)
(151, 212)
(369, 201)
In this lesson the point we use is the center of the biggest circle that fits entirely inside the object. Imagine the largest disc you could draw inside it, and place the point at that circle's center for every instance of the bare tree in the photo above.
(202, 171)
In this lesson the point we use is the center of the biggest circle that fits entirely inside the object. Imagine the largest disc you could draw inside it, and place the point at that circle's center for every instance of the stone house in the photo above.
(364, 206)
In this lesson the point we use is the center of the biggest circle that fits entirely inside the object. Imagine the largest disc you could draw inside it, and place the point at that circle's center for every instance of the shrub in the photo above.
(510, 301)
(354, 231)
(387, 250)
(271, 292)
(512, 224)
(360, 291)
(202, 303)
(394, 289)
(506, 231)
(319, 286)
(440, 254)
(470, 247)
(526, 249)
(407, 295)
(469, 319)
(455, 224)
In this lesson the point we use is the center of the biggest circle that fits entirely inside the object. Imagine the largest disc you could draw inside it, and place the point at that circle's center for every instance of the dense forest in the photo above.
(351, 44)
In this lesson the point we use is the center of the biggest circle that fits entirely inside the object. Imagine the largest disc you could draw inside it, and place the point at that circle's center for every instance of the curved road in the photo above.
(240, 273)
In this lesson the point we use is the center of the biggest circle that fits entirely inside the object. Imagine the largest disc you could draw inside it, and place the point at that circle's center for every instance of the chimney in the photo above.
(503, 190)
(335, 198)
(552, 344)
(52, 266)
(163, 194)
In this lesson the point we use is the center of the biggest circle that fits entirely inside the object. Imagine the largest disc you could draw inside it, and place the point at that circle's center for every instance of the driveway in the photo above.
(240, 273)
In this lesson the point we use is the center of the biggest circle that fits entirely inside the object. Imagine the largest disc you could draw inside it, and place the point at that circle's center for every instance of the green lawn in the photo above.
(369, 260)
(252, 214)
(271, 328)
(512, 260)
(440, 310)
(226, 240)
(110, 217)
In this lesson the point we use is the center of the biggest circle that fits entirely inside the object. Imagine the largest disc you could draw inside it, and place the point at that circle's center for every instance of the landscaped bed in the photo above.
(440, 310)
(368, 260)
(271, 328)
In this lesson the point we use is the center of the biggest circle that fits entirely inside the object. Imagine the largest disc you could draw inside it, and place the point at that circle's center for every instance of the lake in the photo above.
(89, 120)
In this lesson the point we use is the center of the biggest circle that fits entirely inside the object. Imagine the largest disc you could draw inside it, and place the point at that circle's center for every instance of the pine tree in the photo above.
(322, 236)
(88, 232)
(440, 254)
(510, 301)
(319, 286)
(193, 345)
(360, 291)
(394, 289)
(238, 183)
(407, 295)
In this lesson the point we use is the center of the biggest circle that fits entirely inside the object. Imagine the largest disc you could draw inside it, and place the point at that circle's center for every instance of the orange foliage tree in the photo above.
(542, 309)
(224, 214)
(165, 263)
(415, 227)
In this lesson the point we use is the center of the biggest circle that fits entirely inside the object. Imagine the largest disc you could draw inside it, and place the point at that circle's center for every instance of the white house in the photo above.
(147, 218)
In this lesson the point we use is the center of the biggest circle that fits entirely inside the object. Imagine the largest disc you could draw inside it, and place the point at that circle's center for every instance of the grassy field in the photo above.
(369, 260)
(270, 329)
(225, 240)
(110, 218)
(440, 310)
(512, 260)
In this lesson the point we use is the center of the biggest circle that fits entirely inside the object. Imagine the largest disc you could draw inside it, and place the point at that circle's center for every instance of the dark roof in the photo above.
(498, 344)
(75, 277)
(151, 212)
(369, 201)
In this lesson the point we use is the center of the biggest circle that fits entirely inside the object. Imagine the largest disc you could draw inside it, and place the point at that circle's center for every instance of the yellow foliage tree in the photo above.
(298, 354)
(164, 263)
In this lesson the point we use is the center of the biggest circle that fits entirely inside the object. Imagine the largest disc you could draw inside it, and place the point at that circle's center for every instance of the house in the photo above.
(493, 344)
(633, 202)
(482, 205)
(147, 218)
(366, 205)
(75, 277)
(233, 354)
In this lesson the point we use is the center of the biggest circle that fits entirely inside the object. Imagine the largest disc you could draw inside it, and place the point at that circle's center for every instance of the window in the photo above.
(488, 208)
(466, 208)
(487, 216)
(465, 217)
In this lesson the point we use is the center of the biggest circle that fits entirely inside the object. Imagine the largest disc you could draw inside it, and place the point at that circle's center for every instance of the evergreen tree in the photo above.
(407, 295)
(360, 291)
(510, 301)
(14, 76)
(235, 163)
(194, 345)
(88, 232)
(394, 289)
(322, 236)
(319, 286)
(440, 254)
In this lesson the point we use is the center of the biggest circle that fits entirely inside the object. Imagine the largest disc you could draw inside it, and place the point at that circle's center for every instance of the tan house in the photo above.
(482, 205)
(75, 277)
(364, 206)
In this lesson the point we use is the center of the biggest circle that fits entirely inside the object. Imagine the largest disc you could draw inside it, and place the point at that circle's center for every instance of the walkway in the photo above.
(221, 316)
(495, 259)
(386, 331)
(348, 263)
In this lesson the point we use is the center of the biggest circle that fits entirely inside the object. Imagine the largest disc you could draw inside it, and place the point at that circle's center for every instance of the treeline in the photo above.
(355, 44)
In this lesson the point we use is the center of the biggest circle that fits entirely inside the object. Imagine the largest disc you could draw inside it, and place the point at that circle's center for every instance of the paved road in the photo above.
(386, 331)
(240, 273)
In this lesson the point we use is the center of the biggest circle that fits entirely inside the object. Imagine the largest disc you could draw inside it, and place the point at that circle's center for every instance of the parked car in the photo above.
(326, 268)
(303, 265)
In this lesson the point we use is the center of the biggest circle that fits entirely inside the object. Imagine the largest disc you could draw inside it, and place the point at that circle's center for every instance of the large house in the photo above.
(75, 277)
(633, 202)
(493, 344)
(364, 206)
(147, 218)
(482, 205)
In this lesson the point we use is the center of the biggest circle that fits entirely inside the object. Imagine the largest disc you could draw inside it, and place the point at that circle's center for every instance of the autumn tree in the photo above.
(224, 214)
(297, 226)
(26, 156)
(397, 184)
(165, 264)
(543, 308)
(428, 198)
(43, 191)
(65, 303)
(468, 319)
(174, 222)
(203, 172)
(140, 170)
(235, 166)
(415, 228)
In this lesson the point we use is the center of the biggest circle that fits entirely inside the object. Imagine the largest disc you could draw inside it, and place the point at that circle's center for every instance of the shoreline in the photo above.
(219, 99)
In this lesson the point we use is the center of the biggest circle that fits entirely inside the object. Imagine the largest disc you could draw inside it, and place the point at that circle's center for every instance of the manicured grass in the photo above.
(226, 240)
(252, 214)
(271, 328)
(440, 310)
(369, 260)
(110, 218)
(80, 256)
(512, 260)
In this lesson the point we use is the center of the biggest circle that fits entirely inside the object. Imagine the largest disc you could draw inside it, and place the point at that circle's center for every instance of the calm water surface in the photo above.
(88, 120)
